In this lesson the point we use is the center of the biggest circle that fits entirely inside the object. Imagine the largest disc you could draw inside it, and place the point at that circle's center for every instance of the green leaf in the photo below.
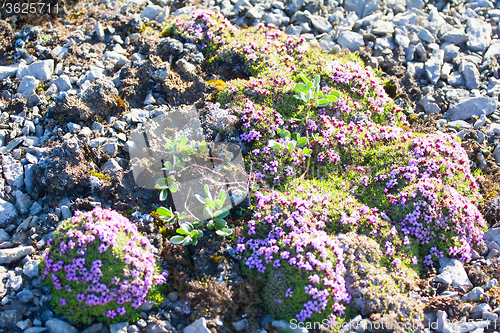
(188, 149)
(200, 198)
(161, 183)
(187, 240)
(255, 187)
(173, 187)
(182, 141)
(210, 203)
(162, 211)
(222, 196)
(219, 224)
(222, 213)
(177, 239)
(322, 102)
(202, 146)
(224, 232)
(194, 241)
(181, 216)
(306, 152)
(332, 98)
(301, 142)
(316, 81)
(207, 191)
(275, 145)
(163, 195)
(300, 87)
(181, 231)
(305, 79)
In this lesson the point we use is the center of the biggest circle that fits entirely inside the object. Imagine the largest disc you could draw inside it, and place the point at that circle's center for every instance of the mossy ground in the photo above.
(367, 175)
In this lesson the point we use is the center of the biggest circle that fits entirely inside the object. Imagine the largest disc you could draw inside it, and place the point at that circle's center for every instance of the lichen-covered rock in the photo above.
(99, 100)
(64, 169)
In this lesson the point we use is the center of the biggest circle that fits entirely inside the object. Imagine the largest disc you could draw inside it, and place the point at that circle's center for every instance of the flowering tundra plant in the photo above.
(99, 267)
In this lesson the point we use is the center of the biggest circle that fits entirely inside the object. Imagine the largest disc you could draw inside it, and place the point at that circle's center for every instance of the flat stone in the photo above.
(112, 166)
(118, 328)
(321, 24)
(382, 27)
(151, 12)
(429, 105)
(25, 295)
(30, 269)
(468, 107)
(6, 71)
(99, 31)
(493, 51)
(453, 270)
(285, 325)
(63, 82)
(433, 66)
(8, 212)
(199, 326)
(8, 256)
(41, 70)
(455, 36)
(35, 330)
(351, 40)
(93, 328)
(474, 295)
(58, 326)
(13, 171)
(479, 35)
(27, 86)
(471, 75)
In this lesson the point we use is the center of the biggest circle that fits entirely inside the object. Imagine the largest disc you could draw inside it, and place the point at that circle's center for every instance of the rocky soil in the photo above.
(74, 86)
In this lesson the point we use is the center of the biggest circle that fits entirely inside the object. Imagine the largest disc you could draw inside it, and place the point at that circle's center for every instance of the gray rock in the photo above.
(7, 212)
(285, 325)
(136, 116)
(62, 82)
(474, 295)
(350, 40)
(25, 295)
(41, 70)
(112, 166)
(59, 52)
(450, 52)
(111, 148)
(479, 34)
(23, 202)
(4, 236)
(468, 107)
(321, 24)
(118, 328)
(9, 317)
(429, 105)
(456, 79)
(492, 317)
(458, 124)
(99, 31)
(94, 73)
(35, 330)
(6, 71)
(173, 296)
(433, 66)
(151, 12)
(13, 171)
(493, 51)
(27, 86)
(382, 27)
(116, 58)
(8, 256)
(58, 326)
(471, 75)
(418, 4)
(241, 325)
(133, 329)
(28, 179)
(255, 12)
(455, 36)
(452, 272)
(426, 35)
(14, 282)
(146, 306)
(73, 128)
(493, 87)
(184, 11)
(30, 268)
(199, 326)
(293, 30)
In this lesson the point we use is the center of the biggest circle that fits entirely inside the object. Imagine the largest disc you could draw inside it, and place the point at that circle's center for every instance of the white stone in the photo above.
(27, 86)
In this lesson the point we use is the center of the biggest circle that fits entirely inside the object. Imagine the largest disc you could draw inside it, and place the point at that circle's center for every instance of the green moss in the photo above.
(100, 175)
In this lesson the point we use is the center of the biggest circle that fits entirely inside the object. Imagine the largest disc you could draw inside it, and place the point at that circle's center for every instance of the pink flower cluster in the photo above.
(114, 242)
